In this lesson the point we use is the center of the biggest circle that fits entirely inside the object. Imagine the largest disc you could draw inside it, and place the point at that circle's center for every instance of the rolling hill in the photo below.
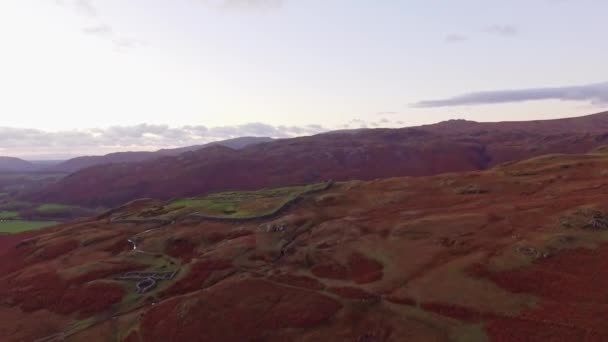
(450, 146)
(15, 165)
(512, 253)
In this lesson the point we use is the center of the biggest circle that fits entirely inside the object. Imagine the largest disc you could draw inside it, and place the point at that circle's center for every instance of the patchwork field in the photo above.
(11, 221)
(19, 216)
(510, 254)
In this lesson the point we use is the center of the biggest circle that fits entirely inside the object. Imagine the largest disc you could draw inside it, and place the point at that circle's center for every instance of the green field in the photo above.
(19, 226)
(243, 203)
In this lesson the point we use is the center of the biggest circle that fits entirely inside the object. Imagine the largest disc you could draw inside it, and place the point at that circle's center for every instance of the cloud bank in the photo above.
(33, 142)
(98, 28)
(596, 94)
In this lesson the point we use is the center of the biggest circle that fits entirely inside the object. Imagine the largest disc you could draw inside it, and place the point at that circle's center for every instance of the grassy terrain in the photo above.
(19, 226)
(242, 204)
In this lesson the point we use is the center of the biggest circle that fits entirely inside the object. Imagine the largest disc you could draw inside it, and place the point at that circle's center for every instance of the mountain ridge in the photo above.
(452, 146)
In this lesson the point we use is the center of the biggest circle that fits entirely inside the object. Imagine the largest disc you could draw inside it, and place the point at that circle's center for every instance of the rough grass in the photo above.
(19, 226)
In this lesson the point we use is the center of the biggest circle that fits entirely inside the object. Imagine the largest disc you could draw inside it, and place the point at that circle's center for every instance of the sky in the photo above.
(96, 76)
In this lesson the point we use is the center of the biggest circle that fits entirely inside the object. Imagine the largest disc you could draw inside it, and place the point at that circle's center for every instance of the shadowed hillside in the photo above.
(15, 164)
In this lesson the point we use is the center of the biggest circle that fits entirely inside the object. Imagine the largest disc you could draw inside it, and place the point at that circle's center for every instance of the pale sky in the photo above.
(93, 76)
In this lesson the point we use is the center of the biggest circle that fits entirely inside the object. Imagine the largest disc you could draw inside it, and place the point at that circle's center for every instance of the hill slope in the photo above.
(507, 254)
(364, 154)
(80, 163)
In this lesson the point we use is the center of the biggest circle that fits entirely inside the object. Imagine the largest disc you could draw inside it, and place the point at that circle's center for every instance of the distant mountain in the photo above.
(15, 164)
(450, 146)
(79, 163)
(44, 164)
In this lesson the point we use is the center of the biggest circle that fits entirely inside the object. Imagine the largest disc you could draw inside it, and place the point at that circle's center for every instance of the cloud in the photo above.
(455, 38)
(502, 30)
(24, 142)
(596, 93)
(99, 30)
(244, 4)
(83, 7)
(119, 42)
(122, 43)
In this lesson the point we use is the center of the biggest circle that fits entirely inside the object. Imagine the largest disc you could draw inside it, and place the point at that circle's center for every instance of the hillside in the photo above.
(79, 163)
(512, 253)
(363, 154)
(594, 123)
(15, 165)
